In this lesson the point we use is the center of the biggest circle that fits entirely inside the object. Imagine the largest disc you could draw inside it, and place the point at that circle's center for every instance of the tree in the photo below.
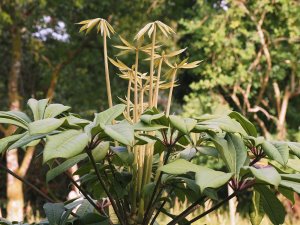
(252, 52)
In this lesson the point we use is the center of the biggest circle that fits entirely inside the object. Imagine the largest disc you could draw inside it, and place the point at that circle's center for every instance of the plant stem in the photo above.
(171, 92)
(107, 79)
(135, 116)
(128, 97)
(218, 205)
(187, 211)
(148, 212)
(104, 187)
(119, 201)
(83, 192)
(157, 82)
(27, 183)
(151, 68)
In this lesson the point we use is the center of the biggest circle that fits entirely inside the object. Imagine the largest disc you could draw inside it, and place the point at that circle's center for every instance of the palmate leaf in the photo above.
(267, 175)
(102, 26)
(232, 150)
(208, 178)
(38, 107)
(65, 144)
(246, 124)
(184, 125)
(277, 151)
(205, 177)
(224, 123)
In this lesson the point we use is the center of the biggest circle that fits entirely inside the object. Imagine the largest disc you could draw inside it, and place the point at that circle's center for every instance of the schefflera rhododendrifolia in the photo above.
(134, 159)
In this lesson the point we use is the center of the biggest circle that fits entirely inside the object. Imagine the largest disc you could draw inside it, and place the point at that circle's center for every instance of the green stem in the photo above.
(107, 79)
(135, 117)
(151, 68)
(157, 82)
(128, 97)
(171, 92)
(149, 211)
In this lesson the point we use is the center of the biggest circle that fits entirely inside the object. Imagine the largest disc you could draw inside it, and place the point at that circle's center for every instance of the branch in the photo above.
(256, 109)
(103, 185)
(262, 125)
(214, 207)
(57, 69)
(27, 183)
(187, 211)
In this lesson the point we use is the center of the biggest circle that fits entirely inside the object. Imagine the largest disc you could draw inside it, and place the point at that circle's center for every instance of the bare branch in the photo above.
(256, 109)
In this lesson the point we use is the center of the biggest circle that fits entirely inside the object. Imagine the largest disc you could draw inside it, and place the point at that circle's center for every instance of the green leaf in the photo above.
(274, 153)
(27, 139)
(54, 211)
(148, 118)
(207, 150)
(44, 126)
(85, 208)
(208, 178)
(246, 124)
(107, 116)
(295, 148)
(38, 107)
(152, 116)
(13, 118)
(288, 193)
(100, 151)
(294, 164)
(188, 153)
(267, 175)
(141, 126)
(54, 110)
(180, 166)
(292, 185)
(184, 125)
(271, 205)
(5, 142)
(232, 150)
(224, 123)
(123, 153)
(256, 209)
(121, 132)
(65, 145)
(283, 149)
(51, 174)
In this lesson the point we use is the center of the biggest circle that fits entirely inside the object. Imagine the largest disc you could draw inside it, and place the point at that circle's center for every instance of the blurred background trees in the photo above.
(250, 51)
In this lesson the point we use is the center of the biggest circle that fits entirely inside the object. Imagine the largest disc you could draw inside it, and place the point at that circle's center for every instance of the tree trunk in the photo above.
(281, 124)
(14, 189)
